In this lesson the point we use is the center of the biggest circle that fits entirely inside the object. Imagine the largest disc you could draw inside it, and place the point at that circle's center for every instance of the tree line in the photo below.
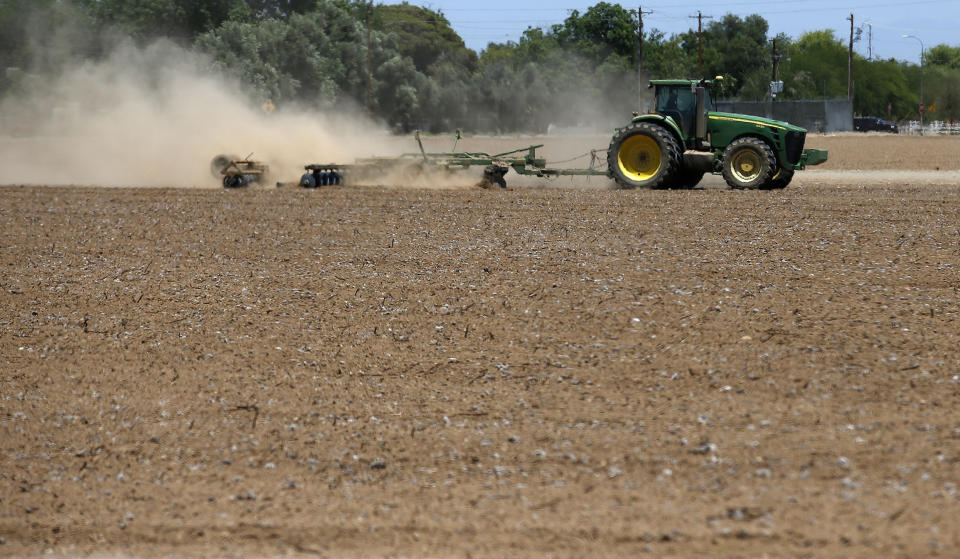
(408, 68)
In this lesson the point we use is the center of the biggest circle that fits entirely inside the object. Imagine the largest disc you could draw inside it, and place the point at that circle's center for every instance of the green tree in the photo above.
(448, 97)
(15, 17)
(941, 93)
(320, 59)
(279, 9)
(665, 58)
(733, 47)
(942, 73)
(879, 85)
(397, 90)
(580, 73)
(603, 30)
(182, 19)
(944, 55)
(43, 36)
(816, 67)
(507, 98)
(424, 35)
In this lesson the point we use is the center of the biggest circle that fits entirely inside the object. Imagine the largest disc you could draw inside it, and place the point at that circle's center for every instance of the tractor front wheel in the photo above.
(779, 181)
(644, 155)
(748, 163)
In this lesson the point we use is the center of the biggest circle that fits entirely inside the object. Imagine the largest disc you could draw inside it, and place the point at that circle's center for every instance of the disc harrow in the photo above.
(236, 172)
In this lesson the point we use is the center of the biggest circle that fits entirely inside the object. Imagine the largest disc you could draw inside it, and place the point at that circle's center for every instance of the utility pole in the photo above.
(775, 85)
(775, 58)
(369, 57)
(700, 18)
(640, 88)
(850, 62)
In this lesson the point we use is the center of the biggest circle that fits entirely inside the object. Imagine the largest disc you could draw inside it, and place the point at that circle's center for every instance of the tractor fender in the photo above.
(663, 121)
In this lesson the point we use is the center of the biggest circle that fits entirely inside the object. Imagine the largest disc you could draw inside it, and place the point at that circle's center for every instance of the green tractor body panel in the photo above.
(786, 139)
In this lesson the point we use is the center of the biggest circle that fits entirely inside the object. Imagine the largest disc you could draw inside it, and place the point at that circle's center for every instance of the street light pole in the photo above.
(922, 106)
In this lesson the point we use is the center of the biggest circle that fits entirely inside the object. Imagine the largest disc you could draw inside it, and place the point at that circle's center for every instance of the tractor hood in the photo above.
(728, 119)
(784, 138)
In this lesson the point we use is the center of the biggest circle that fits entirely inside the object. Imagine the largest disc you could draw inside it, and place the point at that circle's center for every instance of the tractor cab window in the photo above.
(676, 99)
(679, 103)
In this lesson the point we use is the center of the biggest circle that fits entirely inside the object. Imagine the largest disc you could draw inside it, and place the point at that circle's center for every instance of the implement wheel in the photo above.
(219, 163)
(643, 155)
(493, 176)
(748, 163)
(233, 181)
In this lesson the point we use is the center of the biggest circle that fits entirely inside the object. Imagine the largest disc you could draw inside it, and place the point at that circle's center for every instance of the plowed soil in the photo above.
(533, 372)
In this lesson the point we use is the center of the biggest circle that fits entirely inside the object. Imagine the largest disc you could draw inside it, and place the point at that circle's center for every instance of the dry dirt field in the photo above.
(447, 373)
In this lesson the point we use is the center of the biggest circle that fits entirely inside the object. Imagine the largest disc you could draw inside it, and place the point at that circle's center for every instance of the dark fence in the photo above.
(818, 115)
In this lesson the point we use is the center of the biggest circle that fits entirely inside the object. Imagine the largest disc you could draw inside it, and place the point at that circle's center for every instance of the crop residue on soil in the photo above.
(373, 372)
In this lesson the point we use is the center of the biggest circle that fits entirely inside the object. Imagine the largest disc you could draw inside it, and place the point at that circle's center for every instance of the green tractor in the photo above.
(682, 139)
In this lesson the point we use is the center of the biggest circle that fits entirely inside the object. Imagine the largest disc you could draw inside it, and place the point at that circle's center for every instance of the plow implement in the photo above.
(410, 166)
(235, 172)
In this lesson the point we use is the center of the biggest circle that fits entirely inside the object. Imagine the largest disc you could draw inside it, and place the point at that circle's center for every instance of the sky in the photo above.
(934, 22)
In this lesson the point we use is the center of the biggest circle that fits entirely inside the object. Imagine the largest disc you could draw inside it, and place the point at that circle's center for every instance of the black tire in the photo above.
(644, 155)
(688, 178)
(233, 181)
(780, 180)
(748, 163)
(308, 181)
(493, 175)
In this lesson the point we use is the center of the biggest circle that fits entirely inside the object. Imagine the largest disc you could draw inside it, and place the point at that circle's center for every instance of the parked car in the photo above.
(868, 123)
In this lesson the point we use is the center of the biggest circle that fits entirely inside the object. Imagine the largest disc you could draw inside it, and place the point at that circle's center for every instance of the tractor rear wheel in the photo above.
(780, 180)
(748, 163)
(644, 155)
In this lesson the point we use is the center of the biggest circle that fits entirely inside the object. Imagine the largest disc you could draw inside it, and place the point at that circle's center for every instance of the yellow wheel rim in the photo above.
(639, 158)
(746, 165)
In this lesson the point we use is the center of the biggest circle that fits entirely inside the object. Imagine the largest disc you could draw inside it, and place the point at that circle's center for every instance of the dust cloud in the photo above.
(155, 116)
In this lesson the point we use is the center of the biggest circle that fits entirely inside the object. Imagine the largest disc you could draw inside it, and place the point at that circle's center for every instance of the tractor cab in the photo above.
(678, 100)
(686, 102)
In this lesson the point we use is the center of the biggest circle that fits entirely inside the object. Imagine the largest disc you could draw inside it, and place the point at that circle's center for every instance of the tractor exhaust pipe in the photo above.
(701, 116)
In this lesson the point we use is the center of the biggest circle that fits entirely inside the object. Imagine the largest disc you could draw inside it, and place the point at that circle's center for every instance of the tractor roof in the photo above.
(686, 83)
